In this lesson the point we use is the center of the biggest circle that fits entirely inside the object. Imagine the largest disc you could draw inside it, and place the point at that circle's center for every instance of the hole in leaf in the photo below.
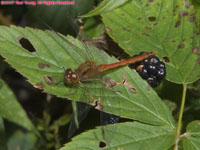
(152, 18)
(102, 144)
(39, 85)
(132, 90)
(49, 80)
(166, 59)
(26, 44)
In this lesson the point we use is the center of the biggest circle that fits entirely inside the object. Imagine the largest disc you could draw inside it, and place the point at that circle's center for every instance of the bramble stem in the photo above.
(180, 117)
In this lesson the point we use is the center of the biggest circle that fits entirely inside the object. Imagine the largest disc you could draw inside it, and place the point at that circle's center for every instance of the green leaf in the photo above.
(92, 28)
(11, 110)
(3, 142)
(22, 141)
(167, 27)
(105, 6)
(63, 15)
(191, 139)
(128, 136)
(44, 69)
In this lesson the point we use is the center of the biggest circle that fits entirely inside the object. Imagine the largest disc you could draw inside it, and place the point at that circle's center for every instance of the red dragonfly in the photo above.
(87, 71)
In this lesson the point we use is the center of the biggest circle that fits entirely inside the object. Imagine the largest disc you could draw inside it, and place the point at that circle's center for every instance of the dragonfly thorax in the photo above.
(71, 77)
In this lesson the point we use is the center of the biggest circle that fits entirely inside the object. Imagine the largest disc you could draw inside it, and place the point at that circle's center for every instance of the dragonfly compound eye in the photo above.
(68, 72)
(67, 76)
(74, 77)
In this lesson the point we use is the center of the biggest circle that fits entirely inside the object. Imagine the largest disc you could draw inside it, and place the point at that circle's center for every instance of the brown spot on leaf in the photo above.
(139, 18)
(191, 74)
(145, 34)
(174, 9)
(152, 18)
(166, 59)
(147, 5)
(151, 0)
(173, 41)
(39, 85)
(192, 18)
(155, 24)
(181, 46)
(177, 6)
(73, 42)
(109, 83)
(148, 27)
(158, 3)
(108, 29)
(42, 66)
(164, 17)
(198, 33)
(178, 23)
(132, 90)
(127, 83)
(188, 4)
(182, 14)
(148, 88)
(196, 50)
(198, 61)
(126, 29)
(49, 80)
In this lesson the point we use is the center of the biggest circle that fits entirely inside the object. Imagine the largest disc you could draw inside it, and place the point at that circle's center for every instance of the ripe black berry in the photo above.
(161, 73)
(144, 73)
(153, 81)
(151, 69)
(161, 65)
(146, 62)
(154, 60)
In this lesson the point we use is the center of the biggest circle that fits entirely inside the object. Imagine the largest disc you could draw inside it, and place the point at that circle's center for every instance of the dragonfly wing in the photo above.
(82, 111)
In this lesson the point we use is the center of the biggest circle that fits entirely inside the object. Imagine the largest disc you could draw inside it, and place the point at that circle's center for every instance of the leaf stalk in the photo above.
(180, 117)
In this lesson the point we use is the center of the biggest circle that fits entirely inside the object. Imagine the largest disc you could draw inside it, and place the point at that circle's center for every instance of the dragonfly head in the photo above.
(71, 77)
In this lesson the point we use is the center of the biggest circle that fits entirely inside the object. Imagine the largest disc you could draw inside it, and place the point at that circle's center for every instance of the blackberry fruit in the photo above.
(151, 69)
(154, 60)
(144, 73)
(153, 81)
(161, 73)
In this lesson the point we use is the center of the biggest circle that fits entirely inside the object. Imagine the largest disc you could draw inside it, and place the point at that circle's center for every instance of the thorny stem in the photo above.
(180, 117)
